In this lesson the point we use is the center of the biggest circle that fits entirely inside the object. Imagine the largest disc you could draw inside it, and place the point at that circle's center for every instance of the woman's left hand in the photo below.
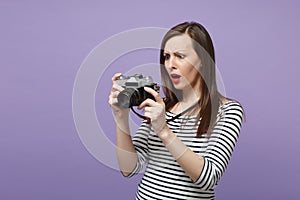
(154, 110)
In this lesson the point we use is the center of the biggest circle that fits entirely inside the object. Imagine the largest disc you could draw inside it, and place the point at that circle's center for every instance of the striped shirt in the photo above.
(164, 178)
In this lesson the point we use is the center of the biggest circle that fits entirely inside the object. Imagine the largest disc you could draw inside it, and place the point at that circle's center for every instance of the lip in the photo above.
(175, 78)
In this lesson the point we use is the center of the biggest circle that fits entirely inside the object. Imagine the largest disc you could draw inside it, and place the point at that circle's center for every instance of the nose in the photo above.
(170, 63)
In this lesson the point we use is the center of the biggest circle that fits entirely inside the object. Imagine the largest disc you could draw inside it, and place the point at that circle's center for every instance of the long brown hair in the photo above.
(210, 97)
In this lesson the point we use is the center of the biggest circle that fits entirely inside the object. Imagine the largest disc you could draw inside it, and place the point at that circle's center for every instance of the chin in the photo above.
(178, 87)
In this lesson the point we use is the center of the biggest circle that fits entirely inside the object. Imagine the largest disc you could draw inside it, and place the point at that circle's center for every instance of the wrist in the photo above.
(166, 135)
(121, 118)
(123, 125)
(121, 114)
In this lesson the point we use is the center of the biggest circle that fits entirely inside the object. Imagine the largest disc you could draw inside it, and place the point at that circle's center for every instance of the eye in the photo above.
(166, 56)
(180, 55)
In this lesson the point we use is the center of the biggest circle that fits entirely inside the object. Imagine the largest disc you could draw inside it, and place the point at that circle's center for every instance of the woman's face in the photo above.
(182, 62)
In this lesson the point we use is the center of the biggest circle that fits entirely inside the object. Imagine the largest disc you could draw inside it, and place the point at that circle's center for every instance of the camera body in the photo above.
(134, 93)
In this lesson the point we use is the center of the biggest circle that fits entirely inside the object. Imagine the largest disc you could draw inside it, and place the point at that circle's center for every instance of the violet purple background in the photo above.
(43, 44)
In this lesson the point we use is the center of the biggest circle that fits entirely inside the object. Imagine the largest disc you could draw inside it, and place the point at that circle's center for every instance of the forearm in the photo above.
(126, 153)
(189, 161)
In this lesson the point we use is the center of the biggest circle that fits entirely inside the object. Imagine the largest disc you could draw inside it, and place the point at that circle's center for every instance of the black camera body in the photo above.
(134, 93)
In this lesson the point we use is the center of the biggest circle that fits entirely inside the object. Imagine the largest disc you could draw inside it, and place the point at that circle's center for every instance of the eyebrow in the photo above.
(179, 50)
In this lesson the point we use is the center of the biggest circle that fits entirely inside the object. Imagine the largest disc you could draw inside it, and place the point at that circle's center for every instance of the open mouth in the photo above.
(175, 78)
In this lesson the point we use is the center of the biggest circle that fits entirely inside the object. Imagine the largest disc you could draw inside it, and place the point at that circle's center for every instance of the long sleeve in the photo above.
(140, 142)
(221, 145)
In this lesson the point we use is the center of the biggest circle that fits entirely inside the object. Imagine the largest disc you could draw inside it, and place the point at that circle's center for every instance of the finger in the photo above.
(112, 101)
(147, 115)
(155, 94)
(117, 87)
(147, 102)
(114, 94)
(115, 77)
(148, 109)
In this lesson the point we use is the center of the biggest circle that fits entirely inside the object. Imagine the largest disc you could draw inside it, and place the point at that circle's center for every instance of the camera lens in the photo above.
(128, 97)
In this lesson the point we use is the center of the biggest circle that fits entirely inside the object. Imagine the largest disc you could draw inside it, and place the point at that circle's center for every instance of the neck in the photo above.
(190, 97)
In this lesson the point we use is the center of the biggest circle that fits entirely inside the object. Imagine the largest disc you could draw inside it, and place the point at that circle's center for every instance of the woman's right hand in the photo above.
(119, 112)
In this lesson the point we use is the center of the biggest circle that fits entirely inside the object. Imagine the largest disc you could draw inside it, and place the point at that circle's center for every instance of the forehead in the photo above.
(180, 42)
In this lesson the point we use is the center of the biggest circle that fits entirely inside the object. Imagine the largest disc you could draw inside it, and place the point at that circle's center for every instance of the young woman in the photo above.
(192, 132)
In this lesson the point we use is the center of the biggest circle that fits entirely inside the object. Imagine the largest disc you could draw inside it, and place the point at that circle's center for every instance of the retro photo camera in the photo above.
(134, 93)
